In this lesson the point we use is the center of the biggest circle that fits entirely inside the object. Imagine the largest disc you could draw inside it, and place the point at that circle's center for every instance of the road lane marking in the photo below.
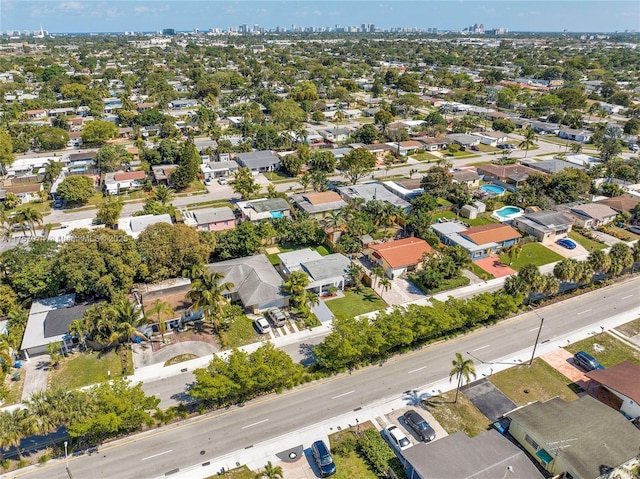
(483, 347)
(585, 311)
(341, 395)
(156, 455)
(416, 370)
(254, 424)
(627, 297)
(535, 329)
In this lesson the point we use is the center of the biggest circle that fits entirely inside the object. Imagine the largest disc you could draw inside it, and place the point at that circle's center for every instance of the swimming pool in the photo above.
(507, 213)
(276, 214)
(496, 190)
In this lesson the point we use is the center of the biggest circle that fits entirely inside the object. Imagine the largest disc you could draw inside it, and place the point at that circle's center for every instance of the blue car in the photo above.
(566, 243)
(586, 361)
(322, 456)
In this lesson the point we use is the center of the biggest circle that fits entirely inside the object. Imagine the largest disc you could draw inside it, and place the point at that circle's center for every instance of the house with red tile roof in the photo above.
(400, 256)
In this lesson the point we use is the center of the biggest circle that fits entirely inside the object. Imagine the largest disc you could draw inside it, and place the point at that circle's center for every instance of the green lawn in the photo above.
(589, 244)
(483, 219)
(631, 328)
(84, 369)
(532, 253)
(460, 416)
(241, 472)
(356, 302)
(443, 202)
(424, 156)
(240, 332)
(44, 207)
(540, 379)
(348, 465)
(449, 215)
(276, 175)
(609, 351)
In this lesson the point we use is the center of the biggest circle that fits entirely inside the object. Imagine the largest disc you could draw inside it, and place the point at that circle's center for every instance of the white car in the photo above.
(222, 181)
(262, 325)
(397, 438)
(208, 181)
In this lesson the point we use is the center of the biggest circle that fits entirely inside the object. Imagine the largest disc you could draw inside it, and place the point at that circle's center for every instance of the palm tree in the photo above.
(355, 274)
(635, 254)
(514, 253)
(334, 220)
(160, 308)
(385, 283)
(79, 329)
(621, 258)
(296, 286)
(163, 194)
(13, 427)
(462, 368)
(305, 180)
(127, 318)
(377, 273)
(271, 472)
(565, 270)
(6, 359)
(599, 261)
(31, 217)
(207, 294)
(529, 140)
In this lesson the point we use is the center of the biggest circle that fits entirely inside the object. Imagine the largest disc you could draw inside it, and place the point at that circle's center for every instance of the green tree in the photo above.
(296, 286)
(270, 472)
(109, 211)
(621, 258)
(208, 294)
(529, 140)
(599, 261)
(52, 170)
(76, 190)
(245, 184)
(462, 369)
(356, 164)
(111, 157)
(6, 151)
(49, 138)
(97, 132)
(292, 164)
(30, 217)
(163, 195)
(162, 309)
(128, 319)
(437, 181)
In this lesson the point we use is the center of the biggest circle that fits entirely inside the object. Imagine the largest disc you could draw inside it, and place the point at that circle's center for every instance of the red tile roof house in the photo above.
(36, 114)
(619, 387)
(400, 256)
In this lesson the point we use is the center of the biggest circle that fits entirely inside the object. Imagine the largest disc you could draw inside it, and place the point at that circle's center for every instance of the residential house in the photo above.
(403, 148)
(318, 204)
(211, 219)
(219, 169)
(48, 322)
(379, 150)
(256, 283)
(399, 256)
(406, 189)
(172, 291)
(26, 193)
(582, 136)
(491, 138)
(457, 456)
(551, 166)
(162, 173)
(119, 181)
(544, 128)
(111, 105)
(338, 153)
(335, 134)
(619, 387)
(467, 177)
(259, 161)
(372, 192)
(36, 114)
(264, 209)
(581, 439)
(432, 144)
(462, 139)
(591, 215)
(135, 225)
(66, 111)
(622, 203)
(545, 226)
(324, 272)
(182, 104)
(142, 107)
(81, 162)
(479, 241)
(513, 175)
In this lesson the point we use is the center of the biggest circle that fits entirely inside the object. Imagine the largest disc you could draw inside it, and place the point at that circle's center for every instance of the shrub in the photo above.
(375, 451)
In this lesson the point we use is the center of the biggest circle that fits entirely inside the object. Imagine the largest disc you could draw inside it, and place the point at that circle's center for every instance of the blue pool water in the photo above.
(276, 214)
(508, 211)
(498, 190)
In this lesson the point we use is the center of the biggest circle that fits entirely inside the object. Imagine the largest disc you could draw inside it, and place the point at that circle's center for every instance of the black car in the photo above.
(421, 427)
(586, 361)
(323, 459)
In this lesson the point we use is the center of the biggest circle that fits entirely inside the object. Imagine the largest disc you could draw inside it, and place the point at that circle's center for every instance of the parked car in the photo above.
(475, 148)
(222, 181)
(262, 325)
(324, 461)
(208, 181)
(634, 229)
(398, 440)
(421, 427)
(586, 361)
(566, 243)
(276, 317)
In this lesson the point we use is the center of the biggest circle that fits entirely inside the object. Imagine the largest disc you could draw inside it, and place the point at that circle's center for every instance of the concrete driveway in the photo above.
(605, 238)
(579, 251)
(144, 356)
(402, 291)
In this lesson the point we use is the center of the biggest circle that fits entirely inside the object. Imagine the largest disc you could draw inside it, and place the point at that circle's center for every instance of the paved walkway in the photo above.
(322, 311)
(492, 265)
(35, 374)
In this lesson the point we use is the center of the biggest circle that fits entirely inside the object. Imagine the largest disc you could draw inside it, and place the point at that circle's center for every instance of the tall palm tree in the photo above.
(163, 194)
(6, 359)
(621, 258)
(207, 293)
(462, 369)
(13, 427)
(514, 253)
(127, 318)
(377, 273)
(565, 270)
(160, 308)
(31, 217)
(599, 261)
(635, 254)
(79, 328)
(270, 472)
(529, 140)
(385, 283)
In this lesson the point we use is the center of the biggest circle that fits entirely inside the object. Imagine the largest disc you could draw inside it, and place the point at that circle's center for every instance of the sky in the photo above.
(85, 16)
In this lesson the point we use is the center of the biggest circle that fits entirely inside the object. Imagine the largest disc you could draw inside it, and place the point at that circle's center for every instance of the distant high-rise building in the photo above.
(168, 31)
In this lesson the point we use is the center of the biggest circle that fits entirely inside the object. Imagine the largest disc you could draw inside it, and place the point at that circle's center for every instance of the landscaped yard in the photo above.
(540, 379)
(84, 369)
(240, 332)
(609, 351)
(241, 472)
(424, 156)
(276, 175)
(356, 302)
(631, 328)
(349, 465)
(460, 416)
(484, 219)
(589, 244)
(532, 253)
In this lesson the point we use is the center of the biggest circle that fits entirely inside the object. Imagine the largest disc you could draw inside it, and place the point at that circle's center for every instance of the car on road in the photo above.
(262, 325)
(421, 427)
(566, 243)
(586, 361)
(398, 439)
(324, 460)
(277, 317)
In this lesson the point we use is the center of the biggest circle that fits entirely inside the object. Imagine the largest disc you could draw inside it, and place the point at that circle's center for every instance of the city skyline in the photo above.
(89, 16)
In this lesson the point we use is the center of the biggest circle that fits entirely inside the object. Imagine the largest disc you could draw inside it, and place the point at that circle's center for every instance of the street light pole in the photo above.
(533, 354)
(66, 457)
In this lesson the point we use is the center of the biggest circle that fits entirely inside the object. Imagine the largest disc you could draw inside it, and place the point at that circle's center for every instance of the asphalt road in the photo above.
(159, 452)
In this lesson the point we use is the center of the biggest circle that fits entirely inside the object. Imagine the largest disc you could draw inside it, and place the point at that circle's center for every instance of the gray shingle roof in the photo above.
(207, 216)
(258, 159)
(271, 204)
(330, 266)
(57, 321)
(549, 218)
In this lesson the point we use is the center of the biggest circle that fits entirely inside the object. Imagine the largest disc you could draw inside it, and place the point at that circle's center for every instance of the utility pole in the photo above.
(533, 354)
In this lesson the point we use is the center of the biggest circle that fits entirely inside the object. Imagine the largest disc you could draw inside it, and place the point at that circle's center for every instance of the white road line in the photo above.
(627, 297)
(341, 395)
(483, 347)
(534, 329)
(585, 311)
(156, 455)
(416, 370)
(254, 424)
